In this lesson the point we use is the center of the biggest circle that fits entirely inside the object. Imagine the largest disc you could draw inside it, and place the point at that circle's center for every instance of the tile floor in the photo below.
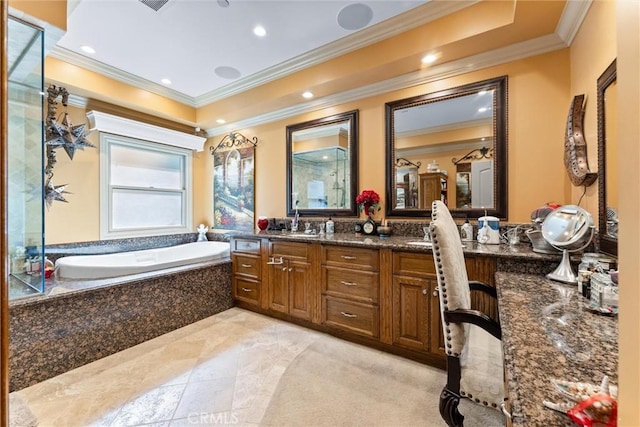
(221, 370)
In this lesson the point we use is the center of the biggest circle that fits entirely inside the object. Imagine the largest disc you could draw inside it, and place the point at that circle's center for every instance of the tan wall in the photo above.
(592, 50)
(52, 11)
(538, 94)
(628, 43)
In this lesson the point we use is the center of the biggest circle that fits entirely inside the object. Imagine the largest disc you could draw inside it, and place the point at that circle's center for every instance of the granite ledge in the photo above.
(519, 251)
(539, 346)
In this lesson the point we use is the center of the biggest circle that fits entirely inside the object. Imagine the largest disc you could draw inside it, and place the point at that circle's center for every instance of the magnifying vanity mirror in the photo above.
(460, 136)
(608, 161)
(322, 166)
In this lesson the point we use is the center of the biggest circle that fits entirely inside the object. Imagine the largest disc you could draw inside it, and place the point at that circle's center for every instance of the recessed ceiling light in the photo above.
(221, 121)
(88, 49)
(166, 81)
(307, 95)
(429, 59)
(259, 31)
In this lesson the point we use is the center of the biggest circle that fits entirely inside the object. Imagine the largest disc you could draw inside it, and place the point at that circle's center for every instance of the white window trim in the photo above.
(105, 190)
(120, 126)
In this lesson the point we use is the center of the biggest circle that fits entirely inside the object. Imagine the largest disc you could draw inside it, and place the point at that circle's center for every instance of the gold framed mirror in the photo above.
(608, 161)
(322, 166)
(460, 134)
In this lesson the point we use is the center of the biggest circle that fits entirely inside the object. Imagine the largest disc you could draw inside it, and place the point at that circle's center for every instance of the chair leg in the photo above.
(449, 402)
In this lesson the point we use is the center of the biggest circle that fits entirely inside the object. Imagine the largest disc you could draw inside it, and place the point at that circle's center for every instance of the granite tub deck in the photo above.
(539, 345)
(77, 322)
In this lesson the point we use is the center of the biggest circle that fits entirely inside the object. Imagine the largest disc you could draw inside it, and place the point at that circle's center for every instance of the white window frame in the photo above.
(106, 190)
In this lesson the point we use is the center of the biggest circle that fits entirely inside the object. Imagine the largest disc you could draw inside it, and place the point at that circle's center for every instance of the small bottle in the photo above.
(466, 231)
(330, 226)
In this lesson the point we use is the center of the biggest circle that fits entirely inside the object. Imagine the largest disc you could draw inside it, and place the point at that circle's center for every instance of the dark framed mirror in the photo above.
(608, 185)
(449, 145)
(322, 166)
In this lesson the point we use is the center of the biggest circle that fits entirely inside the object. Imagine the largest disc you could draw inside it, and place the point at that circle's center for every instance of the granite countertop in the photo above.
(523, 251)
(539, 342)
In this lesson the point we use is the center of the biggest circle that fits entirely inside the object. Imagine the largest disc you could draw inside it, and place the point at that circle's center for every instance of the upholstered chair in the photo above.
(472, 339)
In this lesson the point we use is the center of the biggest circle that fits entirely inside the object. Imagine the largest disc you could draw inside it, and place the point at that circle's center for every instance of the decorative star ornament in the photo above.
(67, 136)
(74, 136)
(54, 192)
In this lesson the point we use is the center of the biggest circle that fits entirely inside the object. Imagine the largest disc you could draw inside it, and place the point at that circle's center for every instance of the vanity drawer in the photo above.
(289, 249)
(351, 316)
(343, 282)
(413, 264)
(247, 246)
(246, 265)
(351, 257)
(246, 290)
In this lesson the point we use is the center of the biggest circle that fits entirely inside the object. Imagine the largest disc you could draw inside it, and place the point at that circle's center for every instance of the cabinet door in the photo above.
(411, 296)
(278, 287)
(300, 290)
(436, 341)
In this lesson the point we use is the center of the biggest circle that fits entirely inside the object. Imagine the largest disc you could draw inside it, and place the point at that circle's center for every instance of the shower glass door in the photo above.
(25, 203)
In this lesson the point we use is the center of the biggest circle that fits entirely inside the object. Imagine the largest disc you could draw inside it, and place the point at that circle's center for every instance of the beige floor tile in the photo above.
(206, 397)
(154, 406)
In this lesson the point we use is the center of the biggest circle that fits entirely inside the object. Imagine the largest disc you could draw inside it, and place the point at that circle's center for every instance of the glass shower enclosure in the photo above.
(25, 134)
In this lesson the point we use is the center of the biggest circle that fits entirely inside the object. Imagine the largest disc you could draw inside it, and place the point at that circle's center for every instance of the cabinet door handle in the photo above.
(424, 292)
(349, 257)
(290, 269)
(284, 268)
(349, 283)
(245, 265)
(436, 291)
(504, 410)
(247, 290)
(349, 315)
(272, 261)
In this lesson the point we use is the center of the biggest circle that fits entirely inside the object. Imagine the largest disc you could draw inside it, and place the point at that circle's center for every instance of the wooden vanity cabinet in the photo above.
(290, 288)
(351, 289)
(246, 264)
(483, 269)
(416, 322)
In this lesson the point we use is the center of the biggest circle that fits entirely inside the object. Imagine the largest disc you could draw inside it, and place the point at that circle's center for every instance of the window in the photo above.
(145, 188)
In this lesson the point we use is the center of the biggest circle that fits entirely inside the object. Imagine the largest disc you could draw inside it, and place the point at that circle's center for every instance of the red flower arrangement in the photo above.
(368, 201)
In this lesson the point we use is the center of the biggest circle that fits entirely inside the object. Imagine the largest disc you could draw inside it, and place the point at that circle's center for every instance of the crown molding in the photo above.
(469, 64)
(571, 19)
(381, 31)
(73, 58)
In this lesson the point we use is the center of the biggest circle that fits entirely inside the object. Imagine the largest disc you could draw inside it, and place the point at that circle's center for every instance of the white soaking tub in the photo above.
(125, 263)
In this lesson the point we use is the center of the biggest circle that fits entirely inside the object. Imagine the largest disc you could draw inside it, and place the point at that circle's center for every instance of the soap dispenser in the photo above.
(466, 231)
(330, 226)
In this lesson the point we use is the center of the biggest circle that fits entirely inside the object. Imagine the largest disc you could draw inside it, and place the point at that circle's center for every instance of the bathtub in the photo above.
(125, 263)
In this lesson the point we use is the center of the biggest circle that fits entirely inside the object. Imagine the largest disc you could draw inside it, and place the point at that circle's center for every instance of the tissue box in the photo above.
(604, 293)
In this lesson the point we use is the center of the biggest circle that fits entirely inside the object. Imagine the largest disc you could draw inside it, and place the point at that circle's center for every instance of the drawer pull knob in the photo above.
(247, 290)
(284, 268)
(245, 265)
(272, 261)
(349, 257)
(349, 315)
(435, 293)
(349, 283)
(290, 269)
